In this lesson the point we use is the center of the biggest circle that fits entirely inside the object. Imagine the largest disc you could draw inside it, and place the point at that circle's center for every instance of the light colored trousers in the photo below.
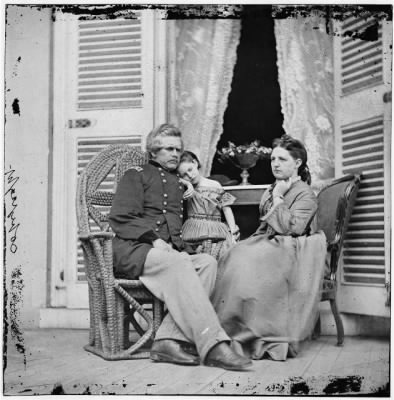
(184, 283)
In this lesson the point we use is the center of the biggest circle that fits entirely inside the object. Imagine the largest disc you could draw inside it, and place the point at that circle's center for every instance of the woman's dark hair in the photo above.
(296, 150)
(189, 156)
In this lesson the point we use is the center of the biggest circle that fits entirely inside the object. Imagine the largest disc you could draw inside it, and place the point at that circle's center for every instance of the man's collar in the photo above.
(156, 164)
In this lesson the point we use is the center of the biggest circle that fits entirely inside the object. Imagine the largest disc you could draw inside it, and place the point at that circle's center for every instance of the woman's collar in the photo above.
(293, 181)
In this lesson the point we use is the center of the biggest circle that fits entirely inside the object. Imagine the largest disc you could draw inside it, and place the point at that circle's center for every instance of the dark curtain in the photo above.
(254, 110)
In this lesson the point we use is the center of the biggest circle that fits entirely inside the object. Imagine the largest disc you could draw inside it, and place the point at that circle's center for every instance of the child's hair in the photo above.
(189, 156)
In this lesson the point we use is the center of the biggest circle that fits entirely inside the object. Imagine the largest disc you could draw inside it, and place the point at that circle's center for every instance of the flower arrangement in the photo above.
(244, 156)
(238, 152)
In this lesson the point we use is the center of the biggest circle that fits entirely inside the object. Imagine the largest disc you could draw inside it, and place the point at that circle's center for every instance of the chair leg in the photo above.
(158, 313)
(338, 321)
(135, 324)
(317, 330)
(126, 327)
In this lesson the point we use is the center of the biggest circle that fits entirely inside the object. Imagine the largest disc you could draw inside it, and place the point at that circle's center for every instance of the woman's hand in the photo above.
(189, 189)
(281, 187)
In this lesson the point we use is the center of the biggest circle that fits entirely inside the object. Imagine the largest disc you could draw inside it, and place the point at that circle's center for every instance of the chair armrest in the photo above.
(130, 283)
(96, 235)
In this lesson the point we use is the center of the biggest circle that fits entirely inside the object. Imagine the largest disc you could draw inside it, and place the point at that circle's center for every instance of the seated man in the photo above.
(146, 216)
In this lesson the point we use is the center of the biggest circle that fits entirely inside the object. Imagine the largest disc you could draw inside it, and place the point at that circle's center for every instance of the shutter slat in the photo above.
(362, 245)
(111, 88)
(360, 270)
(358, 26)
(106, 24)
(95, 68)
(360, 210)
(366, 72)
(365, 83)
(361, 67)
(109, 96)
(368, 134)
(108, 30)
(109, 38)
(362, 160)
(110, 59)
(110, 46)
(108, 75)
(352, 22)
(104, 82)
(361, 56)
(348, 47)
(370, 218)
(365, 235)
(369, 142)
(110, 104)
(361, 126)
(364, 279)
(356, 170)
(364, 253)
(354, 153)
(108, 53)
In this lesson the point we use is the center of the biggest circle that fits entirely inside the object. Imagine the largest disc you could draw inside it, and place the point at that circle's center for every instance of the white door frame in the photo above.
(63, 217)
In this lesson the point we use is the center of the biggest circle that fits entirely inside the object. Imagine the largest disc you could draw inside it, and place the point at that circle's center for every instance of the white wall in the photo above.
(27, 74)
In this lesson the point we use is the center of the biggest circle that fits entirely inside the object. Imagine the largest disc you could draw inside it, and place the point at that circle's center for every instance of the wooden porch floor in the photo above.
(57, 364)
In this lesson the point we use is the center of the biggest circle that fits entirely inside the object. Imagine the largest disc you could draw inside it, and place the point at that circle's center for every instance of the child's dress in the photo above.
(204, 224)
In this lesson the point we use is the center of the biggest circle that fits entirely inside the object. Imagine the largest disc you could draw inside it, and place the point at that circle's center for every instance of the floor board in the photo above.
(57, 364)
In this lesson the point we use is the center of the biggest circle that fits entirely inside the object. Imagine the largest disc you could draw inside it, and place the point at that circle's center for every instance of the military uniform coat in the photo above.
(148, 205)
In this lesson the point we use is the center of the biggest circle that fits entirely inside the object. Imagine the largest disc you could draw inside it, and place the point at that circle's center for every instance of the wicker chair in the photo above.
(113, 303)
(336, 203)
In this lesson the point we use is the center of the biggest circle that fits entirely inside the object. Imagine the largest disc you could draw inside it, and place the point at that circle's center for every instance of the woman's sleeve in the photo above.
(266, 195)
(295, 219)
(226, 199)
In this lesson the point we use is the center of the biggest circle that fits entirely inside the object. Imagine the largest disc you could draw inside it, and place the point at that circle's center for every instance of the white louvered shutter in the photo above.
(106, 91)
(109, 67)
(363, 141)
(364, 252)
(361, 60)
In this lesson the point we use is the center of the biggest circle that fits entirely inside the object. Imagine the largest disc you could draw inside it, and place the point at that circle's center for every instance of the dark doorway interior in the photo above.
(253, 110)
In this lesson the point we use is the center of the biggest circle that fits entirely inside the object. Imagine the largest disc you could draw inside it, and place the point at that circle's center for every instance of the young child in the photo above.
(205, 201)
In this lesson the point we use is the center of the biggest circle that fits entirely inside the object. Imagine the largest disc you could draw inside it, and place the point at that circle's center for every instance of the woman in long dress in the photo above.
(268, 292)
(206, 201)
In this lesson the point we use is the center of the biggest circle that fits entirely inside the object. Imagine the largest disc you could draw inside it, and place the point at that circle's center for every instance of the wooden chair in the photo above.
(113, 303)
(336, 203)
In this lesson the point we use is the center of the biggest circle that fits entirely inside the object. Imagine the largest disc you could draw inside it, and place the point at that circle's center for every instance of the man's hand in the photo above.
(189, 189)
(162, 245)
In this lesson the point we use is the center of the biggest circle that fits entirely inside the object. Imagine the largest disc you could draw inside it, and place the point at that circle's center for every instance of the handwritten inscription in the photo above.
(10, 190)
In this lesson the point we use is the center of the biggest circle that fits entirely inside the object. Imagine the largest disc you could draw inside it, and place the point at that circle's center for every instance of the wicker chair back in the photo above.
(98, 182)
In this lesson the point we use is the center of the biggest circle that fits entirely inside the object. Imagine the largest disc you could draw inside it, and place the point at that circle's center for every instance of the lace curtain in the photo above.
(305, 69)
(202, 59)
